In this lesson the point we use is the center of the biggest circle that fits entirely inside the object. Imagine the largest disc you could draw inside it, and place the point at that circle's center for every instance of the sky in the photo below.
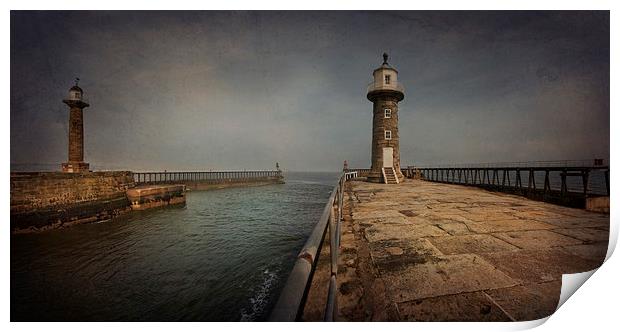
(203, 90)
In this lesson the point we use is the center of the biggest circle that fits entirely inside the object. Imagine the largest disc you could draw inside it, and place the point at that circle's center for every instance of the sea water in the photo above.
(225, 256)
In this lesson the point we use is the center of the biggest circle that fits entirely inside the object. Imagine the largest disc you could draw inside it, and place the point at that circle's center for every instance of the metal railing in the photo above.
(210, 176)
(524, 164)
(290, 304)
(566, 185)
(377, 87)
(362, 172)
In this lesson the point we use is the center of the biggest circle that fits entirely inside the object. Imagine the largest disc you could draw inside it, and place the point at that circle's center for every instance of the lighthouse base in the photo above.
(377, 176)
(75, 167)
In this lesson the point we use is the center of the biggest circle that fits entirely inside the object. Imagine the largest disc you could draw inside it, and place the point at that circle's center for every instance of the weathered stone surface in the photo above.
(376, 214)
(494, 216)
(536, 239)
(44, 200)
(473, 243)
(444, 275)
(430, 251)
(378, 232)
(451, 216)
(542, 265)
(576, 222)
(586, 234)
(456, 228)
(397, 254)
(595, 252)
(148, 197)
(467, 307)
(598, 204)
(489, 226)
(530, 302)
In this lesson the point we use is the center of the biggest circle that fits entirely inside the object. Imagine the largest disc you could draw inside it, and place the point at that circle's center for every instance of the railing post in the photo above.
(607, 181)
(564, 188)
(585, 175)
(547, 184)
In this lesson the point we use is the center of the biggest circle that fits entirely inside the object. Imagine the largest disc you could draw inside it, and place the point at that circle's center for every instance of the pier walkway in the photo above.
(424, 251)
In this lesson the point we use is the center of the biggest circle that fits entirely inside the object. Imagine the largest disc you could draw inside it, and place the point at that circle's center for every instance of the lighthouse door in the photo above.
(388, 157)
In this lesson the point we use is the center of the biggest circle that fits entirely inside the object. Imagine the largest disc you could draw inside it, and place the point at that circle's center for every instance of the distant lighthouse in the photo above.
(385, 92)
(76, 104)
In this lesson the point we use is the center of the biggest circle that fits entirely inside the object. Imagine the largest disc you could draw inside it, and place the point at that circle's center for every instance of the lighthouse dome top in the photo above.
(385, 80)
(76, 88)
(76, 93)
(385, 65)
(76, 97)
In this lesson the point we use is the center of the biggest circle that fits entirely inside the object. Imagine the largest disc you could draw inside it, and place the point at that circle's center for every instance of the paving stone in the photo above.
(398, 254)
(489, 216)
(451, 216)
(472, 243)
(595, 252)
(586, 234)
(386, 220)
(506, 225)
(533, 266)
(425, 220)
(375, 214)
(468, 307)
(530, 302)
(575, 222)
(536, 239)
(538, 215)
(378, 232)
(452, 274)
(455, 228)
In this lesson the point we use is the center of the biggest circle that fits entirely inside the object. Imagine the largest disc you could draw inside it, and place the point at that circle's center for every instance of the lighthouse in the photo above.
(385, 92)
(76, 104)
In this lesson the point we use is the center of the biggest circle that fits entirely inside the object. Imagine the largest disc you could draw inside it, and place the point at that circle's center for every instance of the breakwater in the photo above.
(212, 179)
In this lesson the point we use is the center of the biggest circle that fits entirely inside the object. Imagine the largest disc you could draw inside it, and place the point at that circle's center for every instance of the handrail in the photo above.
(546, 183)
(291, 302)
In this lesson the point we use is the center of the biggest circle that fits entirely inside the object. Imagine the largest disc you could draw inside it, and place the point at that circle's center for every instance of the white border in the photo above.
(593, 307)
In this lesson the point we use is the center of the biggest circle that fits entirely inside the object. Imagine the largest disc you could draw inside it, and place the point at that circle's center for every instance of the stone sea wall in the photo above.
(44, 200)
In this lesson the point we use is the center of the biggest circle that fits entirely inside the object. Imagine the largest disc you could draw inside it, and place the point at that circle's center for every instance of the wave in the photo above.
(259, 301)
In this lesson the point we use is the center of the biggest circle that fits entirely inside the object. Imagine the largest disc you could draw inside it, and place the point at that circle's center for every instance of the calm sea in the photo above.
(223, 257)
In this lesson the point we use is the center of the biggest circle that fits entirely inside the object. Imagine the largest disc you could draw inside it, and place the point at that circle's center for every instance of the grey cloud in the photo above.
(234, 90)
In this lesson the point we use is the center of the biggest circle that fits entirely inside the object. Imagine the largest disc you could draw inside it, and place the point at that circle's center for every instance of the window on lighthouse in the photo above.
(388, 113)
(387, 79)
(388, 134)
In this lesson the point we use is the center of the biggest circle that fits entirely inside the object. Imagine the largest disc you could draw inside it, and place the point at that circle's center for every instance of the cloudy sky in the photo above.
(242, 90)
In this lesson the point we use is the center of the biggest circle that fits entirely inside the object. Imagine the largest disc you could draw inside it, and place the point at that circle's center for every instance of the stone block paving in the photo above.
(423, 251)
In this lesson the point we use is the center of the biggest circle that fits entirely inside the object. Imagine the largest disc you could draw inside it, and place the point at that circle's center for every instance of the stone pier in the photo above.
(423, 251)
(148, 197)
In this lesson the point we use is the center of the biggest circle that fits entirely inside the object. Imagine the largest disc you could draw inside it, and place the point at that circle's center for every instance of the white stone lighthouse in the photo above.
(385, 92)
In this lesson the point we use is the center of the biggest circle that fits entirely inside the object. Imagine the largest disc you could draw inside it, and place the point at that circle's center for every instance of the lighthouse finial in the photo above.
(385, 57)
(77, 80)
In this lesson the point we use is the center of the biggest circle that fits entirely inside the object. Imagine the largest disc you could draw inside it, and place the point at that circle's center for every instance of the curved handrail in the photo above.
(291, 302)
